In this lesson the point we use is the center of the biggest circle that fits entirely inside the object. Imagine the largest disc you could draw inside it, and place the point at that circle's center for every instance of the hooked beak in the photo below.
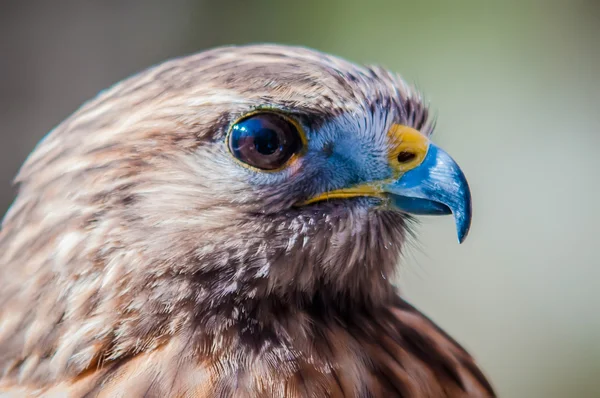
(436, 187)
(427, 181)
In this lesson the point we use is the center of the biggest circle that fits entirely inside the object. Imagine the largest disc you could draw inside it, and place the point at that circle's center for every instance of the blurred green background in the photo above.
(516, 86)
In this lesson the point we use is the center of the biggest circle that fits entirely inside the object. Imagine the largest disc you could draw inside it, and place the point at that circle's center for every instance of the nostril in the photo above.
(404, 157)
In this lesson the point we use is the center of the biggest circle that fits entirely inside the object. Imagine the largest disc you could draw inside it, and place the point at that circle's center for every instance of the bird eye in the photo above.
(266, 141)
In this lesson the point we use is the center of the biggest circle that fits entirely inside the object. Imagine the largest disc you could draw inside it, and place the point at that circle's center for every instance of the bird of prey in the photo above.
(227, 224)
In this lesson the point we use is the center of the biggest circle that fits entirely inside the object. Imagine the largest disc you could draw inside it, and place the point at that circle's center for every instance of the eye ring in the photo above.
(266, 140)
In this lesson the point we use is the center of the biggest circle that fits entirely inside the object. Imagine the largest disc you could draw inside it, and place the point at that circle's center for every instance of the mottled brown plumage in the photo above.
(139, 259)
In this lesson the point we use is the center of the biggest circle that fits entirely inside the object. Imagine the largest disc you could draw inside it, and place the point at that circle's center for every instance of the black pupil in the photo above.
(266, 141)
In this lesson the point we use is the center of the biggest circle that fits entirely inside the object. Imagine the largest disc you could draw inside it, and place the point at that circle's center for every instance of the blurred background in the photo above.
(516, 86)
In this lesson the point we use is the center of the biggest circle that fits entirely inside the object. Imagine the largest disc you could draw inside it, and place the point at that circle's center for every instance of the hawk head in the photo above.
(184, 193)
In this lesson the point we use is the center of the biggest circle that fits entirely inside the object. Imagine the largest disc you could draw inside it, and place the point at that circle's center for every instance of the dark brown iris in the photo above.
(265, 140)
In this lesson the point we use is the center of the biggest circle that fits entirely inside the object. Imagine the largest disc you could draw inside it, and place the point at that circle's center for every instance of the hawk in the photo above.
(227, 224)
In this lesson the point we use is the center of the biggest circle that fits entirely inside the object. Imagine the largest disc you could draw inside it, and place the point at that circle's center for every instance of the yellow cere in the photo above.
(410, 144)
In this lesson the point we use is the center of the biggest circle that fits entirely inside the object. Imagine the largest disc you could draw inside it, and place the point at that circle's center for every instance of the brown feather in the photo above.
(371, 359)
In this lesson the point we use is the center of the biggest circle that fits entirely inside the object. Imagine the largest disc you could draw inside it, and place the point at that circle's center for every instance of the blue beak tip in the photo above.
(463, 214)
(462, 229)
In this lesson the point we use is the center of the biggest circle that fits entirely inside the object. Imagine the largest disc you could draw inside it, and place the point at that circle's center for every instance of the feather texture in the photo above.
(390, 351)
(139, 259)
